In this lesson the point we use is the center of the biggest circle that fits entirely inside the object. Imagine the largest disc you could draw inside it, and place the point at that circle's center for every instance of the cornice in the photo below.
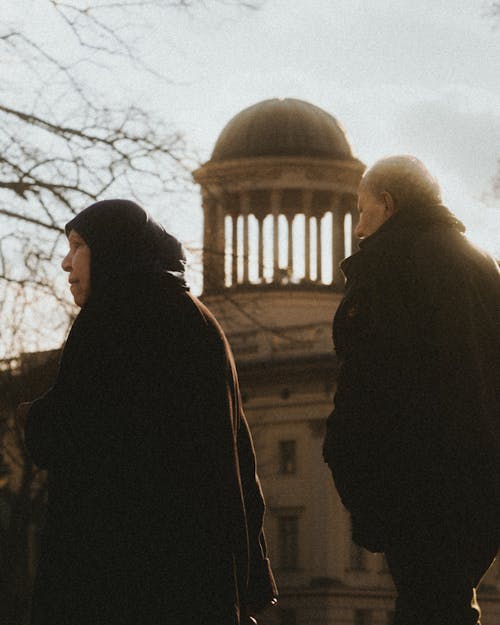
(283, 172)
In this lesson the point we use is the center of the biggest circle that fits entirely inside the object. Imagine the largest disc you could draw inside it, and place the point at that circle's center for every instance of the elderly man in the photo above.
(414, 438)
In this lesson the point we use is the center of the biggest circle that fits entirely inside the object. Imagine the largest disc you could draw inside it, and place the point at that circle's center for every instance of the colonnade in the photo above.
(241, 267)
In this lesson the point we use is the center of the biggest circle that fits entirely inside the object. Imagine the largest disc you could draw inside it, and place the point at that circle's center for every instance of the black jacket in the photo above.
(155, 510)
(414, 438)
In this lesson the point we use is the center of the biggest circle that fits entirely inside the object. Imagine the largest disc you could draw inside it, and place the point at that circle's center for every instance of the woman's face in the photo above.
(77, 264)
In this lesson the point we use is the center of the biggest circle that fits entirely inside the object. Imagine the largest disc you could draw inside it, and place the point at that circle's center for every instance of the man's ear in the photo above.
(389, 203)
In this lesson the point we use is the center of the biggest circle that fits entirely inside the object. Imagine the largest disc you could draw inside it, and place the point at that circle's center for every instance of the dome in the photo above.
(282, 127)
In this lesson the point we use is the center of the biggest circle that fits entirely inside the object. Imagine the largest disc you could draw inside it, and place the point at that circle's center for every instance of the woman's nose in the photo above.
(66, 263)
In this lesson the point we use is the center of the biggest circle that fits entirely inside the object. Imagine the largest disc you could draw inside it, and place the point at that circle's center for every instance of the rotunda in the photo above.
(277, 194)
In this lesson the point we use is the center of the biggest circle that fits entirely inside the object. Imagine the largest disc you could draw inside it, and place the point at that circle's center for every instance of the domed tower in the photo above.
(279, 200)
(277, 193)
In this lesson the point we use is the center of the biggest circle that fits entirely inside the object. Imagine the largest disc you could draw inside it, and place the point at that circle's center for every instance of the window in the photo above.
(288, 528)
(287, 457)
(362, 617)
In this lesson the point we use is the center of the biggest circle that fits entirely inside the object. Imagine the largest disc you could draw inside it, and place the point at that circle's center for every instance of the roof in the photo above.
(282, 127)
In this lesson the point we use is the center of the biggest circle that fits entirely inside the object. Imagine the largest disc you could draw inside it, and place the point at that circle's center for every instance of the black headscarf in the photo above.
(127, 243)
(134, 265)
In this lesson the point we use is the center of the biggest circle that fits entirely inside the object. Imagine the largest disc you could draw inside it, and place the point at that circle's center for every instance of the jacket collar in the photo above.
(399, 230)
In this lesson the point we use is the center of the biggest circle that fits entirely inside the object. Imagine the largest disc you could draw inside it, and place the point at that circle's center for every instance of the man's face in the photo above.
(373, 212)
(77, 264)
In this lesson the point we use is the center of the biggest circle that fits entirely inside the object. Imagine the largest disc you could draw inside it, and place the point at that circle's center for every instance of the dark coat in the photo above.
(155, 511)
(414, 438)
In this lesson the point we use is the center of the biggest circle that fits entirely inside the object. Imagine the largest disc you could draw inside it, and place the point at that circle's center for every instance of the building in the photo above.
(279, 201)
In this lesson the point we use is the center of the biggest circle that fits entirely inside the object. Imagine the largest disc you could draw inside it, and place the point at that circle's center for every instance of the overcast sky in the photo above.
(401, 77)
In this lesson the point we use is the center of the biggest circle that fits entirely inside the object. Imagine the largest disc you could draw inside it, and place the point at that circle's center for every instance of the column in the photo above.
(220, 243)
(318, 248)
(353, 209)
(289, 219)
(245, 209)
(213, 243)
(261, 247)
(306, 205)
(234, 249)
(275, 209)
(338, 244)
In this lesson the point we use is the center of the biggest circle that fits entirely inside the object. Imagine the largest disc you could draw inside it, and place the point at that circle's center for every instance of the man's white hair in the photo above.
(405, 178)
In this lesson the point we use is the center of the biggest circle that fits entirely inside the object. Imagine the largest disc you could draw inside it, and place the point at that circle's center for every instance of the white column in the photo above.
(234, 261)
(275, 209)
(245, 209)
(289, 219)
(318, 248)
(261, 247)
(306, 204)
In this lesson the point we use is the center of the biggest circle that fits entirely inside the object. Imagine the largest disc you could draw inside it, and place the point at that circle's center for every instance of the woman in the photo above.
(154, 509)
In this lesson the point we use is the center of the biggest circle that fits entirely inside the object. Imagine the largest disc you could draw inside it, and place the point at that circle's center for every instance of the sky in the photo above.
(400, 77)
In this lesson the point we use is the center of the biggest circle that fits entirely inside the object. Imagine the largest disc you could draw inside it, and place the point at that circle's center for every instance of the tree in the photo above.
(65, 142)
